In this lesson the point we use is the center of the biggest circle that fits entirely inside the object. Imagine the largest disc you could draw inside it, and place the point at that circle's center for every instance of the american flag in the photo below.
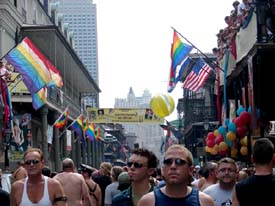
(196, 78)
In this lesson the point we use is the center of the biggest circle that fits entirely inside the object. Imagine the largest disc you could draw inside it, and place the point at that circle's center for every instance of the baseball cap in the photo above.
(123, 179)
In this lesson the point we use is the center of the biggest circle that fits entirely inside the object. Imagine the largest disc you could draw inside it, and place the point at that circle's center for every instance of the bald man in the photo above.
(73, 184)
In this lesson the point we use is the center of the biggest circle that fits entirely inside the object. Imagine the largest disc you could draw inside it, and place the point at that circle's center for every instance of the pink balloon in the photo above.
(239, 122)
(210, 136)
(219, 139)
(210, 143)
(241, 131)
(245, 117)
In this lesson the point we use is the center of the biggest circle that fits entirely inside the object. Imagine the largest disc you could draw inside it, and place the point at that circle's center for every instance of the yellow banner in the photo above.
(18, 85)
(105, 115)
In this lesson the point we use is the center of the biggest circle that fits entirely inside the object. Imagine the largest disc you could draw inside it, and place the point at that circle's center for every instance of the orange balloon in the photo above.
(234, 152)
(243, 150)
(214, 150)
(207, 149)
(223, 146)
(231, 135)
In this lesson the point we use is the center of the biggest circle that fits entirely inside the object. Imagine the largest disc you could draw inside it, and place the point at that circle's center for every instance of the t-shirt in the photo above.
(220, 196)
(256, 190)
(110, 192)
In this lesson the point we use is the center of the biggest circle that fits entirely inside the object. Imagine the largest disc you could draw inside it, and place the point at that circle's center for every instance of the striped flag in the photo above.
(62, 119)
(39, 98)
(196, 78)
(77, 126)
(89, 132)
(179, 51)
(31, 64)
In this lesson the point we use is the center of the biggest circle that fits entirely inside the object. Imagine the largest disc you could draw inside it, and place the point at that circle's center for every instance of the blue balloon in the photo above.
(229, 142)
(249, 110)
(226, 121)
(240, 110)
(222, 131)
(232, 127)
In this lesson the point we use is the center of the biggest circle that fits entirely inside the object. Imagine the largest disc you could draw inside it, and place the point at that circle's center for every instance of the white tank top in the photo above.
(45, 200)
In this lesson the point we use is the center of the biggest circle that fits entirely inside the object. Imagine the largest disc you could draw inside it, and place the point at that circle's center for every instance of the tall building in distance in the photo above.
(82, 18)
(149, 136)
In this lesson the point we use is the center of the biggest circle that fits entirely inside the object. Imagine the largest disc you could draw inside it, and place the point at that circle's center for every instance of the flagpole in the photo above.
(198, 49)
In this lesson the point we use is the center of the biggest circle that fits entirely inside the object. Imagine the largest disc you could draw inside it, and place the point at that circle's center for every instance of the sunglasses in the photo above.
(178, 162)
(136, 164)
(34, 162)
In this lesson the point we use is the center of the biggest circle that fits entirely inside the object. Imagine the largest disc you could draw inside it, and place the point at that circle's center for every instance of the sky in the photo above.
(134, 41)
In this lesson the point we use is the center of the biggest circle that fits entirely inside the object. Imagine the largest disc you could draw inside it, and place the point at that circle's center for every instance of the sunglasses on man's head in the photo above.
(136, 164)
(34, 162)
(177, 161)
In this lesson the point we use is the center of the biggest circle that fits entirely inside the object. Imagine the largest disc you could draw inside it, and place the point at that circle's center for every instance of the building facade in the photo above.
(81, 17)
(38, 20)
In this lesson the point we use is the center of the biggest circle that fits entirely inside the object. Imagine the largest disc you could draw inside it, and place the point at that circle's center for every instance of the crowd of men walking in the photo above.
(140, 183)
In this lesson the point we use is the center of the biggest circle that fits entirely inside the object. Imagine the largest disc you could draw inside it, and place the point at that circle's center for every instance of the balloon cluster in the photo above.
(225, 138)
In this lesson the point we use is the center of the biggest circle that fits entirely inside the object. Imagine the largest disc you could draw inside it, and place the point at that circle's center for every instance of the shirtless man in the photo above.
(94, 189)
(177, 169)
(73, 184)
(36, 189)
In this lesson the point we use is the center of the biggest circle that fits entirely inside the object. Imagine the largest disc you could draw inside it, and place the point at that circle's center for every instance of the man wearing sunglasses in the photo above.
(177, 170)
(36, 189)
(141, 166)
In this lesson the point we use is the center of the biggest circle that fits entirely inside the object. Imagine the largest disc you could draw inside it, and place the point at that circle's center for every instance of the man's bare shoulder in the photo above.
(53, 182)
(147, 199)
(205, 199)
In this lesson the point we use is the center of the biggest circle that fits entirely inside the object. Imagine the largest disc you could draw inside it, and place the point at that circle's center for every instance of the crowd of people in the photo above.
(239, 17)
(178, 182)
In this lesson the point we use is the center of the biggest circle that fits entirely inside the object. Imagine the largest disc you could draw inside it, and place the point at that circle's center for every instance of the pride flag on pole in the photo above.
(62, 119)
(77, 126)
(31, 64)
(179, 51)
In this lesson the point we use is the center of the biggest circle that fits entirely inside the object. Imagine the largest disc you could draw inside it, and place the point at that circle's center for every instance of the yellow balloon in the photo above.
(244, 141)
(234, 152)
(223, 146)
(231, 135)
(162, 105)
(207, 149)
(243, 150)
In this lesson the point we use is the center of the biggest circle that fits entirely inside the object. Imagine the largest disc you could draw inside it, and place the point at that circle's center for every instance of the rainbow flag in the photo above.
(96, 131)
(31, 64)
(77, 126)
(179, 51)
(39, 98)
(55, 76)
(62, 119)
(89, 132)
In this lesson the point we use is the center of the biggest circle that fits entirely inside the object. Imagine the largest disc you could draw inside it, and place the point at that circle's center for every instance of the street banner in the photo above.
(119, 115)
